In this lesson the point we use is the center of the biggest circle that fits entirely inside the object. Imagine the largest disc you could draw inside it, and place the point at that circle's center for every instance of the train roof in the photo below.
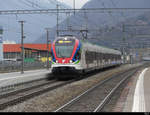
(91, 46)
(102, 49)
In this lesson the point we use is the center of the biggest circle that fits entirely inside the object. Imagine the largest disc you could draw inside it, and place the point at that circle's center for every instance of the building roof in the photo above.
(17, 47)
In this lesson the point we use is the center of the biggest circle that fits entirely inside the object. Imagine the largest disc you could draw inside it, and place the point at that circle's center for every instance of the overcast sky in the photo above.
(79, 3)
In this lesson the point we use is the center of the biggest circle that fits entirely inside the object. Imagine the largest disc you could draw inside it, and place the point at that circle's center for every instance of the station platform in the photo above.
(136, 95)
(16, 77)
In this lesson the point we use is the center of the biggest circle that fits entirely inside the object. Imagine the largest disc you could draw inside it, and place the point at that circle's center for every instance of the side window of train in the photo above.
(91, 57)
(112, 56)
(97, 56)
(109, 56)
(118, 57)
(100, 56)
(105, 57)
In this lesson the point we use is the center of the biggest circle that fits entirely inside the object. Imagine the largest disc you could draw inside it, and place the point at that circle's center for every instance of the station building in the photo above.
(33, 52)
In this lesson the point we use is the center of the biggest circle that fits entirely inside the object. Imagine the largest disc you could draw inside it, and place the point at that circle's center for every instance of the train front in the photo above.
(66, 54)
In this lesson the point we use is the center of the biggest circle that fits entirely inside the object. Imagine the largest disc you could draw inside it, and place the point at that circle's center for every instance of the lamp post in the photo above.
(48, 41)
(22, 46)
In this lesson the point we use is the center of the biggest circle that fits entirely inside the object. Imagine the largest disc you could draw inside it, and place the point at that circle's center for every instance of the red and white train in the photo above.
(70, 54)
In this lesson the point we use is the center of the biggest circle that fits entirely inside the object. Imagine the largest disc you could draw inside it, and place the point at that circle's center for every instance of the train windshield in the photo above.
(64, 48)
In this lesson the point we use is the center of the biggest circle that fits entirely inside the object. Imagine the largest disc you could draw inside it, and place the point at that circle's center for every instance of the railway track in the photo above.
(20, 95)
(14, 94)
(16, 86)
(14, 97)
(20, 85)
(10, 88)
(96, 98)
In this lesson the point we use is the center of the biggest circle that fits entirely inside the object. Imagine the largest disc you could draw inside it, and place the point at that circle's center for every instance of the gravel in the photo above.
(52, 100)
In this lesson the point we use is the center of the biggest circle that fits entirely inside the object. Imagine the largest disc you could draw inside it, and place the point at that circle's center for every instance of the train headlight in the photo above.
(56, 61)
(70, 61)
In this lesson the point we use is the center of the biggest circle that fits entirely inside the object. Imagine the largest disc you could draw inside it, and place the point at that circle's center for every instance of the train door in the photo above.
(83, 58)
(86, 59)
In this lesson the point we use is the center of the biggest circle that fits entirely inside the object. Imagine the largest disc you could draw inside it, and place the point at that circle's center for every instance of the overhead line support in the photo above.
(87, 10)
(22, 46)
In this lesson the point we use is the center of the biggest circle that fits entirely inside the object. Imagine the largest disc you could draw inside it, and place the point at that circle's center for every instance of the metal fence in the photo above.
(12, 66)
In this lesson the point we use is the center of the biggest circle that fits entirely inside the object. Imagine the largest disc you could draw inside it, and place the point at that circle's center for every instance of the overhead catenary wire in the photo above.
(86, 10)
(37, 6)
(28, 3)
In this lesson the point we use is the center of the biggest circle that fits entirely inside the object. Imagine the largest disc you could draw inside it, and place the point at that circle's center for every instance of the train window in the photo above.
(105, 57)
(64, 48)
(111, 56)
(90, 57)
(114, 57)
(100, 56)
(64, 51)
(97, 56)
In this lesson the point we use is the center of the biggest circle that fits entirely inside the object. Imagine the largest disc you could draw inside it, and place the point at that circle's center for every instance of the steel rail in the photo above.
(29, 95)
(106, 99)
(23, 97)
(4, 95)
(12, 93)
(13, 86)
(91, 89)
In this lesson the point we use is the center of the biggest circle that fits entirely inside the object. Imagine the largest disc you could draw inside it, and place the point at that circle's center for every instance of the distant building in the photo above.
(1, 43)
(33, 52)
(9, 42)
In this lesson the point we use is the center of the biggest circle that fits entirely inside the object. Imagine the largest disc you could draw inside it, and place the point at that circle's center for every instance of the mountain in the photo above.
(103, 21)
(34, 25)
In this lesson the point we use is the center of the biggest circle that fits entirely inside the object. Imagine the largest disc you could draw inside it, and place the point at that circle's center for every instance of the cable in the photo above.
(27, 3)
